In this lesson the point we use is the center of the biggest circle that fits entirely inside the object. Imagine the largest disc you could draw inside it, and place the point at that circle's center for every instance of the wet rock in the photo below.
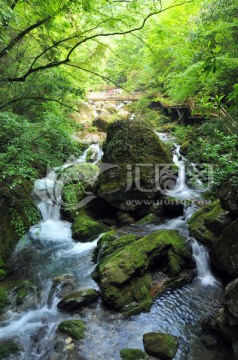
(111, 242)
(74, 328)
(102, 122)
(148, 219)
(172, 206)
(8, 348)
(78, 299)
(131, 143)
(133, 354)
(218, 230)
(228, 195)
(231, 298)
(85, 228)
(123, 275)
(124, 218)
(163, 346)
(208, 222)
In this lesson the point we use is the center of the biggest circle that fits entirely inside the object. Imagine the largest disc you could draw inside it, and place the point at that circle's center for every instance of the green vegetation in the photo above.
(74, 328)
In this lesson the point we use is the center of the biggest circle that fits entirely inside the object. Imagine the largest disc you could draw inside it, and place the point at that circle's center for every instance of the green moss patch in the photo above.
(74, 328)
(86, 228)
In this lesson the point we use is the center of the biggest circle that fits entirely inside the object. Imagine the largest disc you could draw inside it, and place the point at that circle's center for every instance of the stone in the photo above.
(133, 354)
(131, 143)
(8, 348)
(78, 299)
(208, 222)
(228, 195)
(163, 346)
(231, 298)
(123, 274)
(172, 206)
(225, 251)
(148, 219)
(74, 328)
(85, 228)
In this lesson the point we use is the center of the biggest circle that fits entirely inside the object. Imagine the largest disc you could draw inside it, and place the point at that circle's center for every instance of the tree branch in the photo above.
(14, 4)
(38, 98)
(22, 34)
(99, 75)
(67, 59)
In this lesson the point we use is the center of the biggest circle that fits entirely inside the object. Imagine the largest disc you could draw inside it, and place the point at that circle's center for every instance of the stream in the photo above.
(49, 251)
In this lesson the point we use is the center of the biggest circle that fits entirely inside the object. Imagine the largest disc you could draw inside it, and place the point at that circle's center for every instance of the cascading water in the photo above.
(182, 191)
(49, 251)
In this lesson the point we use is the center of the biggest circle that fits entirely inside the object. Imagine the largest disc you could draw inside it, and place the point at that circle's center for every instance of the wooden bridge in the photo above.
(113, 95)
(193, 110)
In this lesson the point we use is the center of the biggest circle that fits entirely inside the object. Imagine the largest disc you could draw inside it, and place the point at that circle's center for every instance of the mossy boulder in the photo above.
(148, 219)
(133, 354)
(123, 275)
(78, 299)
(8, 348)
(112, 242)
(162, 346)
(83, 172)
(215, 227)
(85, 228)
(129, 143)
(208, 222)
(228, 195)
(74, 328)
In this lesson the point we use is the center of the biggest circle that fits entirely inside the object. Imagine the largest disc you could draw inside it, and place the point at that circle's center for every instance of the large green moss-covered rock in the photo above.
(78, 299)
(208, 222)
(163, 346)
(129, 143)
(8, 348)
(215, 227)
(74, 328)
(112, 242)
(85, 228)
(133, 354)
(123, 275)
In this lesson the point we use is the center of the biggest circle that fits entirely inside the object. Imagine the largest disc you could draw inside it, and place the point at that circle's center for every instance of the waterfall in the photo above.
(49, 189)
(95, 157)
(202, 260)
(181, 190)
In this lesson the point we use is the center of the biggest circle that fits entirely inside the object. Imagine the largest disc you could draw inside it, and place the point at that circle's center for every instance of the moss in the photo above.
(78, 299)
(148, 219)
(83, 172)
(9, 348)
(130, 142)
(133, 354)
(163, 346)
(74, 328)
(85, 228)
(17, 213)
(20, 287)
(123, 276)
(3, 274)
(4, 299)
(207, 223)
(185, 146)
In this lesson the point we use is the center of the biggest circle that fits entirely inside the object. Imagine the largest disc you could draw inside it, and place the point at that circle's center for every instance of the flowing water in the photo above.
(49, 251)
